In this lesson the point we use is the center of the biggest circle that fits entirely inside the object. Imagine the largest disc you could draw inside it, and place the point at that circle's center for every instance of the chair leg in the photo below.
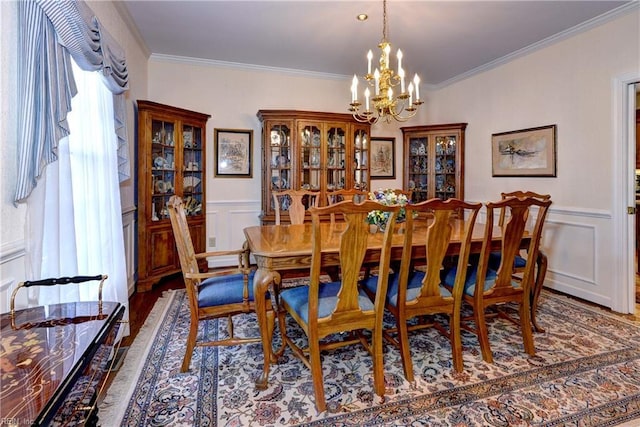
(542, 263)
(282, 325)
(316, 374)
(230, 326)
(527, 332)
(483, 334)
(378, 365)
(405, 351)
(456, 341)
(191, 343)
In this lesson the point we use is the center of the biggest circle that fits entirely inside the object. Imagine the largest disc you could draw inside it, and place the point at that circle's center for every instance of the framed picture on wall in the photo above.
(525, 152)
(383, 160)
(232, 149)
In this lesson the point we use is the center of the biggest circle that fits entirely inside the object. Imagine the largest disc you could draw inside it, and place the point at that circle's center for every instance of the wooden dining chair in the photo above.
(295, 203)
(415, 293)
(486, 287)
(351, 194)
(324, 309)
(520, 259)
(214, 294)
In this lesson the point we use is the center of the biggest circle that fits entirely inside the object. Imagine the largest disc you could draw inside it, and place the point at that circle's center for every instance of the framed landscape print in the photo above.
(526, 152)
(383, 161)
(233, 153)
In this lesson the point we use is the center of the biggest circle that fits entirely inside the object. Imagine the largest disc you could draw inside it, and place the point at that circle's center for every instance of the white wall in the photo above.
(569, 83)
(12, 218)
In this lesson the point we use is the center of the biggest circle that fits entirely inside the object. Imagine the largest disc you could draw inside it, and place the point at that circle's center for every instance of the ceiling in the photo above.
(441, 40)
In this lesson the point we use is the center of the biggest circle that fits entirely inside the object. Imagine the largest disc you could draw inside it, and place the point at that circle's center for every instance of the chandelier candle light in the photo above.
(383, 104)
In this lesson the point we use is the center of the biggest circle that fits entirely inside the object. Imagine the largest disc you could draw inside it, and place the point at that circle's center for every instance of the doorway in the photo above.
(636, 177)
(625, 96)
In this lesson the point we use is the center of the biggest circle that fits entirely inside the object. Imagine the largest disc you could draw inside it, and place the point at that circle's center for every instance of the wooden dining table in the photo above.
(282, 248)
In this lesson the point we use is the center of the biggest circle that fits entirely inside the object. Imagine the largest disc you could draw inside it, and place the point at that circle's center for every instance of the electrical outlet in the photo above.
(212, 242)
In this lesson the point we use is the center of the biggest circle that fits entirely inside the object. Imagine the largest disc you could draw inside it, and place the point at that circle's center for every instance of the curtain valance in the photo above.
(50, 32)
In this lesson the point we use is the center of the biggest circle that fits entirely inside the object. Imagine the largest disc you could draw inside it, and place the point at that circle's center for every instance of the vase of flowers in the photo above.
(386, 197)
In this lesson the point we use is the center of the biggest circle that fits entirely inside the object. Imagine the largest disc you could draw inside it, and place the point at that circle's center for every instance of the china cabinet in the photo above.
(314, 151)
(171, 160)
(434, 161)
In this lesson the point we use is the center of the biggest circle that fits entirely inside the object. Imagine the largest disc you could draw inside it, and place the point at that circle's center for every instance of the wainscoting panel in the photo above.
(579, 246)
(129, 234)
(12, 272)
(226, 221)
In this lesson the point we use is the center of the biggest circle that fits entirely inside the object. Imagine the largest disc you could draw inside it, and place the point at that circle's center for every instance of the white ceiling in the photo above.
(441, 40)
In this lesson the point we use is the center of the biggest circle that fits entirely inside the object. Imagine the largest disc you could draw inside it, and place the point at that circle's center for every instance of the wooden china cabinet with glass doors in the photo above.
(314, 151)
(434, 161)
(171, 160)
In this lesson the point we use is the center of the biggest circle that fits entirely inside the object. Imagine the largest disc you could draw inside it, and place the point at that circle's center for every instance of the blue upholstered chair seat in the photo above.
(298, 299)
(223, 290)
(495, 257)
(413, 287)
(470, 281)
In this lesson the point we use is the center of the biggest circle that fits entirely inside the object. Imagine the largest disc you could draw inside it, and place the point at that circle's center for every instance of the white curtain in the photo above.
(75, 218)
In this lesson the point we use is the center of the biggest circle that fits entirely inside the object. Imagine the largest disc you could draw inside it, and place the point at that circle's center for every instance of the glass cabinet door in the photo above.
(434, 161)
(163, 167)
(280, 148)
(419, 168)
(445, 166)
(335, 156)
(279, 141)
(310, 157)
(192, 193)
(361, 159)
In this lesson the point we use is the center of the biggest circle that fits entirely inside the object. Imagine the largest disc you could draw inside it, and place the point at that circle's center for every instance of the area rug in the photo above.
(586, 373)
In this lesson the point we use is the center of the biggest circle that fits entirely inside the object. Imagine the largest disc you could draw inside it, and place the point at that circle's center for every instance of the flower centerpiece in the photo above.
(386, 197)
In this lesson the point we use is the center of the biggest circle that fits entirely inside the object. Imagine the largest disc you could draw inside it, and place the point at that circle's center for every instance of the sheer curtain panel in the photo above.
(79, 231)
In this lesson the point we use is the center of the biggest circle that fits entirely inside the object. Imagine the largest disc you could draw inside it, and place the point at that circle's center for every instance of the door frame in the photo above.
(623, 295)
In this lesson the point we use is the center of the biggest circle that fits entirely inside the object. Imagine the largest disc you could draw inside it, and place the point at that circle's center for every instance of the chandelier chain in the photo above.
(384, 20)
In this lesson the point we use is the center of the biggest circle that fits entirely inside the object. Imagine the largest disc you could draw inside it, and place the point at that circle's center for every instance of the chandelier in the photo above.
(384, 103)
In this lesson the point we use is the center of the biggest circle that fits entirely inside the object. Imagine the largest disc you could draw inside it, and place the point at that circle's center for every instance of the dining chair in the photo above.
(295, 203)
(416, 293)
(218, 293)
(352, 194)
(520, 259)
(486, 287)
(324, 309)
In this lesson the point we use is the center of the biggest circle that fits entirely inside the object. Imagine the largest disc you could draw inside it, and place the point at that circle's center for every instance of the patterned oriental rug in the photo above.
(586, 373)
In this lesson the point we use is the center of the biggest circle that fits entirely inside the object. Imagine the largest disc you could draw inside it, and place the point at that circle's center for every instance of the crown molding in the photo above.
(563, 35)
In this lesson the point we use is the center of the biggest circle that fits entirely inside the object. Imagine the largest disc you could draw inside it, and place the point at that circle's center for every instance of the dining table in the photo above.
(281, 248)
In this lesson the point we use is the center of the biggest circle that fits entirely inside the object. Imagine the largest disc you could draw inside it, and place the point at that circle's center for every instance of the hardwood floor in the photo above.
(141, 303)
